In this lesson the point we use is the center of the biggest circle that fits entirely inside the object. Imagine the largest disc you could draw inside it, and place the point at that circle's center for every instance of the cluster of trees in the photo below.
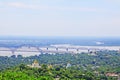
(104, 60)
(23, 72)
(83, 66)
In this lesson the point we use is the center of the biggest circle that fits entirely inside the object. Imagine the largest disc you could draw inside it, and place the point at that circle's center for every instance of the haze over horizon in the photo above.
(60, 18)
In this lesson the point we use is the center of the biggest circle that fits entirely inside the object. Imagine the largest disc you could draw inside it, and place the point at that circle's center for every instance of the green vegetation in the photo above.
(23, 72)
(53, 67)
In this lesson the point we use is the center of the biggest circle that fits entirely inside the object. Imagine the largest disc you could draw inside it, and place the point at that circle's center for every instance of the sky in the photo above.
(60, 18)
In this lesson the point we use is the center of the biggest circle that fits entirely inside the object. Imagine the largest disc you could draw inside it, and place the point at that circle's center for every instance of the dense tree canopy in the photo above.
(53, 66)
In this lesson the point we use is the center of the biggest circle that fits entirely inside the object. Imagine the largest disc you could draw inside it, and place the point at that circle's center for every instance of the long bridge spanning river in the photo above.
(30, 50)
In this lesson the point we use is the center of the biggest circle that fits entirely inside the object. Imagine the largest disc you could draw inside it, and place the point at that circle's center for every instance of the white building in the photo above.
(35, 64)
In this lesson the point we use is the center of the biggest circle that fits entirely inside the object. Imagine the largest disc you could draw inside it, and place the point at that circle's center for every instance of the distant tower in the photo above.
(35, 64)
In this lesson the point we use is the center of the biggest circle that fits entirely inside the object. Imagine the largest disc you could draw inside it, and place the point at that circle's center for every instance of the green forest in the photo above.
(104, 65)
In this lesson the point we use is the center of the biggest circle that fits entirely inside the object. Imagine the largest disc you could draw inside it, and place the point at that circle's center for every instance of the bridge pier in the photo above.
(66, 49)
(13, 52)
(77, 49)
(39, 50)
(56, 49)
(88, 50)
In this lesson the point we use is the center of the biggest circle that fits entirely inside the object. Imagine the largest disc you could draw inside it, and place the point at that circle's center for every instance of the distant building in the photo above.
(96, 73)
(50, 66)
(68, 65)
(112, 74)
(92, 52)
(35, 64)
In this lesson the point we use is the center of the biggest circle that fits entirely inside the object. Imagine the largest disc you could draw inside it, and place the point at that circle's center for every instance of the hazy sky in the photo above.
(60, 18)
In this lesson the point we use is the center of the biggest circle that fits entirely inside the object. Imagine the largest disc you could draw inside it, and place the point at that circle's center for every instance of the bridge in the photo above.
(43, 49)
(49, 49)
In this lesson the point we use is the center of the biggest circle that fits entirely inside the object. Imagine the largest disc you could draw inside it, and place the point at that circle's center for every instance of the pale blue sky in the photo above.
(60, 18)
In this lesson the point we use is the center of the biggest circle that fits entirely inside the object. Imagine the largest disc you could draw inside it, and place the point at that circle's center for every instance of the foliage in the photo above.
(83, 66)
